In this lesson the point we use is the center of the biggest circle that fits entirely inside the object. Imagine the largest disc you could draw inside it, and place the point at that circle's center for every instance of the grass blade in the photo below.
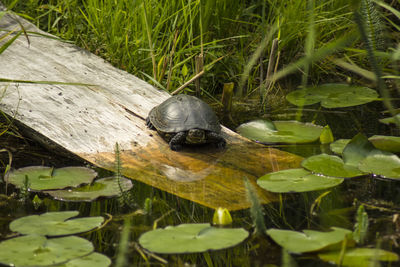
(9, 42)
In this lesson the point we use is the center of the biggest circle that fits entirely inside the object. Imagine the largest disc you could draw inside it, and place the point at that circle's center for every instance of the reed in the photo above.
(159, 40)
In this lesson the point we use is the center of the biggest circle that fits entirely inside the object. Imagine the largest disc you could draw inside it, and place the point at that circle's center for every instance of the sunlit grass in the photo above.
(159, 40)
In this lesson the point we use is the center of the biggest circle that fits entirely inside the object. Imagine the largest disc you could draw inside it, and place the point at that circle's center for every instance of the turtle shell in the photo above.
(182, 113)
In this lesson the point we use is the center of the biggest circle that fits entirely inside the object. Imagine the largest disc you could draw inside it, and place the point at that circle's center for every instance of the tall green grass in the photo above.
(159, 40)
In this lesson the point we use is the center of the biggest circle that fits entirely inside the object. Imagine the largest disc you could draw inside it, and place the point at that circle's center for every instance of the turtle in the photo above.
(185, 119)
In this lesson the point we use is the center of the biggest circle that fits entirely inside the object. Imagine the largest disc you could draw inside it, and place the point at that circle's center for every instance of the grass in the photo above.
(159, 40)
(163, 41)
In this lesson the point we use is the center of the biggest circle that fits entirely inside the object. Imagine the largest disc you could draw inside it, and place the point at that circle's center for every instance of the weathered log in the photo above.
(106, 105)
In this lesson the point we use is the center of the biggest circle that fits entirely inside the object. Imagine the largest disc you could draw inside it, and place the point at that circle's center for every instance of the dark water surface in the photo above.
(381, 199)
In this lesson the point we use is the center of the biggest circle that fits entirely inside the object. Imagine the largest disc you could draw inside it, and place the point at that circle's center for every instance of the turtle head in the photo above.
(196, 136)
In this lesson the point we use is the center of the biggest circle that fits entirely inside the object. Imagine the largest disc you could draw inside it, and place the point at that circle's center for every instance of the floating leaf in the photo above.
(338, 146)
(35, 250)
(55, 224)
(309, 240)
(329, 165)
(304, 97)
(333, 95)
(386, 165)
(391, 119)
(45, 178)
(359, 257)
(296, 180)
(386, 143)
(105, 187)
(286, 131)
(326, 136)
(93, 259)
(357, 149)
(190, 238)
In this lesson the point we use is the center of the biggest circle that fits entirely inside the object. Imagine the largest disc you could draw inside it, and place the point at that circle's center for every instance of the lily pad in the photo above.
(330, 165)
(359, 257)
(45, 178)
(190, 238)
(386, 143)
(290, 132)
(55, 224)
(36, 250)
(333, 96)
(385, 165)
(296, 180)
(391, 120)
(105, 187)
(308, 240)
(338, 146)
(357, 149)
(93, 259)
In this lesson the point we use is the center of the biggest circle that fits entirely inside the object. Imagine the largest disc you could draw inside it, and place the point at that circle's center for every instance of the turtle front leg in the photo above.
(177, 140)
(217, 139)
(149, 124)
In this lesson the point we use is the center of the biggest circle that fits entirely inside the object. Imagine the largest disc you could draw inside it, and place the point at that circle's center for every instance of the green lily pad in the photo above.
(338, 146)
(386, 143)
(55, 224)
(385, 165)
(93, 259)
(35, 250)
(290, 132)
(296, 180)
(330, 165)
(45, 178)
(359, 257)
(105, 187)
(190, 238)
(390, 120)
(333, 96)
(357, 149)
(308, 240)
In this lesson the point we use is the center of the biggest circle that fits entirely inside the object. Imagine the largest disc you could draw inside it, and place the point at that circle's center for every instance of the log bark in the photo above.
(102, 105)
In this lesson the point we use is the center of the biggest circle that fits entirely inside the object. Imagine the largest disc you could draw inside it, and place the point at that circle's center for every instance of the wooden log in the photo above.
(87, 120)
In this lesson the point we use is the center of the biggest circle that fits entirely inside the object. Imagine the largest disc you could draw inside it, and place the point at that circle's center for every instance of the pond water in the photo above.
(144, 205)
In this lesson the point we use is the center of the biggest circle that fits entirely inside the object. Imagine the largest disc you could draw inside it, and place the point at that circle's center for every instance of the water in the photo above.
(380, 197)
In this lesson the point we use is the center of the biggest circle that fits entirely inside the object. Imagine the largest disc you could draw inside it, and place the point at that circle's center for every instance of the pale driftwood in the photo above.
(88, 121)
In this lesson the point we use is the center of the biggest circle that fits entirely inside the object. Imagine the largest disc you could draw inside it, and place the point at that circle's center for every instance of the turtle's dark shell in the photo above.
(182, 113)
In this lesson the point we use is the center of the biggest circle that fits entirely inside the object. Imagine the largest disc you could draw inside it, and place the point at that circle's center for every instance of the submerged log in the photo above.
(102, 105)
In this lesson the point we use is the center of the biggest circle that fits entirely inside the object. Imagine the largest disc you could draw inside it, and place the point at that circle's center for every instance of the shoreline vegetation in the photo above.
(167, 43)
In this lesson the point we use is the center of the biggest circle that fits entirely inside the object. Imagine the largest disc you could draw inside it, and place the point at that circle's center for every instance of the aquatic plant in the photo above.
(361, 226)
(288, 132)
(384, 165)
(222, 217)
(55, 224)
(35, 249)
(296, 180)
(256, 209)
(360, 257)
(308, 240)
(333, 96)
(45, 178)
(190, 238)
(104, 187)
(331, 165)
